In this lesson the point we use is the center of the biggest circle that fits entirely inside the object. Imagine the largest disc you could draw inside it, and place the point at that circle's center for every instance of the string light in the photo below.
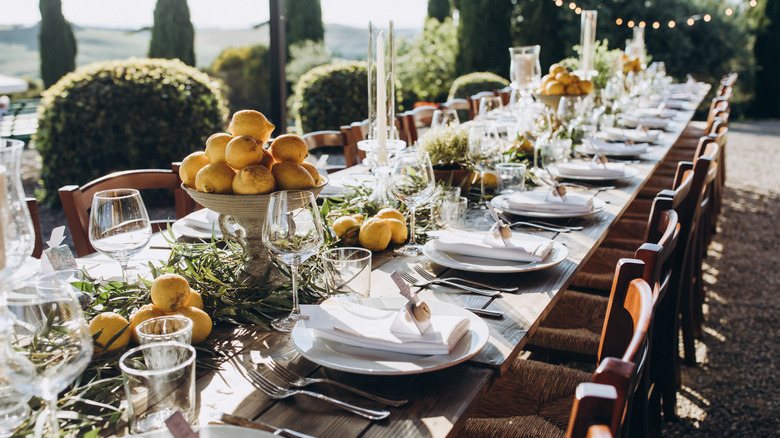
(631, 24)
(578, 11)
(672, 24)
(707, 17)
(619, 21)
(642, 24)
(691, 21)
(559, 3)
(729, 11)
(753, 3)
(656, 25)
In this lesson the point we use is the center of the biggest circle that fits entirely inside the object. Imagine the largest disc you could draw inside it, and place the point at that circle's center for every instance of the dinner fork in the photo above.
(417, 283)
(430, 277)
(275, 391)
(547, 227)
(299, 381)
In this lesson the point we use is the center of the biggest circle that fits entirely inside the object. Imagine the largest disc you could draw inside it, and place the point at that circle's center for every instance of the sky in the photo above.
(224, 14)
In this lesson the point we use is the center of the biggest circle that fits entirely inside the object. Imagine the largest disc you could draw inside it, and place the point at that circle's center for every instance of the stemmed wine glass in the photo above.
(444, 117)
(119, 225)
(484, 145)
(293, 233)
(490, 106)
(47, 343)
(412, 181)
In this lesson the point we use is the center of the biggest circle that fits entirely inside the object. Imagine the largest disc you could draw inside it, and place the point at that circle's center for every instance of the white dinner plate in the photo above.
(585, 149)
(197, 228)
(494, 266)
(214, 431)
(500, 203)
(342, 357)
(629, 172)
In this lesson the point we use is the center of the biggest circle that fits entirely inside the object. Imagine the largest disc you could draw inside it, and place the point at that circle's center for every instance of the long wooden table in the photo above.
(440, 401)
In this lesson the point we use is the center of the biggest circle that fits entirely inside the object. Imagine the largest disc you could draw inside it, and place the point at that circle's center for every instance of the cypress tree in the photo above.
(484, 36)
(57, 43)
(767, 51)
(303, 21)
(172, 34)
(439, 9)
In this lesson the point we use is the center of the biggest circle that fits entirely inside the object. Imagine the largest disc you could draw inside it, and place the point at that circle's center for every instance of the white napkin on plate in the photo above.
(476, 245)
(203, 219)
(543, 202)
(662, 113)
(578, 168)
(358, 325)
(647, 122)
(614, 148)
(622, 134)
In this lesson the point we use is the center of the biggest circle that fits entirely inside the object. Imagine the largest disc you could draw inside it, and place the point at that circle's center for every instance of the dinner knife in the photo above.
(243, 422)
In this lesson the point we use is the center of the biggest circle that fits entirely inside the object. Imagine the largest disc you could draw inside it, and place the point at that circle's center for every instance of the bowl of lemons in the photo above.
(561, 82)
(235, 176)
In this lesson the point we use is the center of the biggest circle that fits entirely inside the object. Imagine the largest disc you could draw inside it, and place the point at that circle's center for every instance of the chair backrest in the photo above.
(32, 206)
(462, 106)
(593, 412)
(409, 121)
(353, 133)
(333, 143)
(474, 102)
(77, 201)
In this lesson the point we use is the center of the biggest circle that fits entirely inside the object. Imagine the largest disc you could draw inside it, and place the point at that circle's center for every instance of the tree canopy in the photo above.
(57, 43)
(172, 34)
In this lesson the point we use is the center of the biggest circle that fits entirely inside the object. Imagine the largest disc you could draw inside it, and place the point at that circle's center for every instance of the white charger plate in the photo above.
(342, 357)
(629, 172)
(584, 149)
(500, 203)
(214, 431)
(494, 266)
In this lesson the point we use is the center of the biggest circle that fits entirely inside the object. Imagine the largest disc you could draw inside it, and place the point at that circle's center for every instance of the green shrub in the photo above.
(247, 73)
(129, 114)
(331, 95)
(472, 83)
(426, 67)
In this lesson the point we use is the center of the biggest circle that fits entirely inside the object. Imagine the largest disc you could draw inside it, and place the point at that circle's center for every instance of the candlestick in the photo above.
(381, 99)
(587, 41)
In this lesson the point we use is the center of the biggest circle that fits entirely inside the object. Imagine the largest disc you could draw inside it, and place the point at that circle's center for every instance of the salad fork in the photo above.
(417, 283)
(299, 382)
(275, 391)
(430, 277)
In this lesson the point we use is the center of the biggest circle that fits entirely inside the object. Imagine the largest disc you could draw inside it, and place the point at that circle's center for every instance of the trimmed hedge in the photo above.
(331, 95)
(119, 115)
(247, 73)
(472, 83)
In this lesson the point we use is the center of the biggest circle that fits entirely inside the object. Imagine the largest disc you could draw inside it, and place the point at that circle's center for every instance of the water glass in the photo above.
(444, 117)
(581, 132)
(490, 106)
(511, 177)
(451, 193)
(453, 212)
(557, 150)
(176, 328)
(348, 272)
(156, 389)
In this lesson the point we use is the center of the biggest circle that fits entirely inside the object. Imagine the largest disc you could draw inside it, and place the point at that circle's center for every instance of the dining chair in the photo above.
(353, 133)
(411, 120)
(77, 200)
(534, 398)
(32, 206)
(462, 106)
(333, 143)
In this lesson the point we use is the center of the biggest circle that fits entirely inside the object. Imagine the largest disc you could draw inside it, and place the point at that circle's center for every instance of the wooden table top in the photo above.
(440, 401)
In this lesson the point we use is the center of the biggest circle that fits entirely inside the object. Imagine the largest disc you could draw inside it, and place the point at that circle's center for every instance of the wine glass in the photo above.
(48, 343)
(489, 107)
(412, 181)
(293, 233)
(444, 117)
(483, 149)
(119, 225)
(569, 109)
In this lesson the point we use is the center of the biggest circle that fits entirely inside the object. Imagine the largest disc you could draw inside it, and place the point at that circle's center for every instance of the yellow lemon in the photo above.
(196, 300)
(573, 90)
(563, 78)
(557, 68)
(390, 213)
(375, 234)
(215, 146)
(554, 87)
(243, 151)
(359, 217)
(399, 230)
(268, 159)
(289, 147)
(347, 229)
(191, 165)
(289, 175)
(315, 174)
(253, 123)
(170, 292)
(254, 180)
(547, 78)
(215, 178)
(109, 324)
(491, 180)
(201, 323)
(145, 312)
(586, 87)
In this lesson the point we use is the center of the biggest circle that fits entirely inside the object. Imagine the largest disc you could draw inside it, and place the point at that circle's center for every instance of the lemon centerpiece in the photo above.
(561, 82)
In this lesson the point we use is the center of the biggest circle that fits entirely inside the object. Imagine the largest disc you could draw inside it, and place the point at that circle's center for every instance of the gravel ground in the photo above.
(733, 391)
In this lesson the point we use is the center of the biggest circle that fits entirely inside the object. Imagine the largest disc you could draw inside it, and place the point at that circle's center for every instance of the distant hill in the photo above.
(19, 44)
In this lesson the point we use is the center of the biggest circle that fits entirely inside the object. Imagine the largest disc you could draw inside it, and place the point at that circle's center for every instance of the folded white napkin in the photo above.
(476, 244)
(544, 202)
(578, 168)
(361, 326)
(614, 148)
(621, 134)
(656, 112)
(647, 122)
(205, 220)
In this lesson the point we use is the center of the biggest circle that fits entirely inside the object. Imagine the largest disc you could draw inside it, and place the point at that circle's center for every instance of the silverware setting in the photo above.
(298, 381)
(443, 281)
(430, 277)
(279, 431)
(588, 186)
(546, 227)
(275, 391)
